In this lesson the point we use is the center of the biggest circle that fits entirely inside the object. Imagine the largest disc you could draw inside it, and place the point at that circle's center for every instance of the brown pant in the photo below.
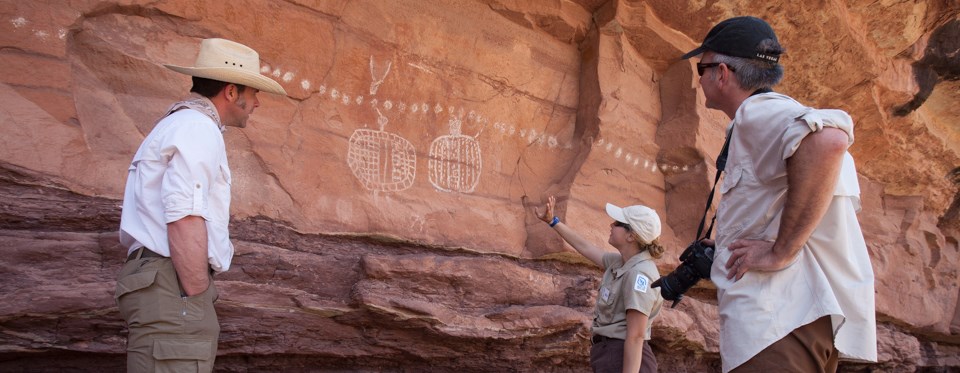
(607, 356)
(168, 332)
(808, 348)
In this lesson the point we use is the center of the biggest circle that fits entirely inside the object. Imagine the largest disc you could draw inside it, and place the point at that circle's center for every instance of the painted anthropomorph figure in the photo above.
(794, 281)
(176, 207)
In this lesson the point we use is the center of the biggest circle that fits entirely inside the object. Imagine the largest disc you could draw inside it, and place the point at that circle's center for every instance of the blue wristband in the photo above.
(554, 222)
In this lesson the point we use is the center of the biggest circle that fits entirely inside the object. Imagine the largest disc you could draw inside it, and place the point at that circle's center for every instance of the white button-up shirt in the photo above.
(180, 170)
(831, 275)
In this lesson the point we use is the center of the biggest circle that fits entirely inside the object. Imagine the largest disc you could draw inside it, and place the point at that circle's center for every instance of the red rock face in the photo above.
(372, 235)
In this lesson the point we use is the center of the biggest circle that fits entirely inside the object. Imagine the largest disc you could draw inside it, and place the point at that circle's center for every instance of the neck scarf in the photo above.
(198, 103)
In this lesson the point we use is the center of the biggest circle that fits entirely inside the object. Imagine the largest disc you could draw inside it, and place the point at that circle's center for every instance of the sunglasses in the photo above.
(701, 67)
(622, 225)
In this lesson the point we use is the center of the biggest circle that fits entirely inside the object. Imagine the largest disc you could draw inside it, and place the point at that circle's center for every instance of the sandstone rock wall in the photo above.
(433, 261)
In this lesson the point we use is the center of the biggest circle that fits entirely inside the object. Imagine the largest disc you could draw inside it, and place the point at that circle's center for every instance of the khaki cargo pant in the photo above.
(168, 332)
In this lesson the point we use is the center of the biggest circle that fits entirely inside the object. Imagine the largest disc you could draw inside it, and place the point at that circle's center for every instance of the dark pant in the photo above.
(607, 357)
(168, 332)
(808, 348)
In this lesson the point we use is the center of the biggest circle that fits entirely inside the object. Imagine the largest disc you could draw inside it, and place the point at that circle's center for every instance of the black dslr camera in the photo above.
(695, 263)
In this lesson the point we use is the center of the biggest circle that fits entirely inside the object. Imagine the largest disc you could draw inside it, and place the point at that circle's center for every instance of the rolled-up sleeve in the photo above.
(814, 121)
(192, 152)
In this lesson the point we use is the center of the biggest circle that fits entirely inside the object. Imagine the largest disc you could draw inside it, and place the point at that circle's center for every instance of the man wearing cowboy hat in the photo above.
(176, 207)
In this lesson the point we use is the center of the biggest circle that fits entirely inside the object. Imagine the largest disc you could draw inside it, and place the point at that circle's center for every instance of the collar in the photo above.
(768, 98)
(761, 90)
(636, 259)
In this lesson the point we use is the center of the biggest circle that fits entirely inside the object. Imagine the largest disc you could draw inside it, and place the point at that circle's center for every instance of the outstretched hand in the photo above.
(548, 213)
(748, 255)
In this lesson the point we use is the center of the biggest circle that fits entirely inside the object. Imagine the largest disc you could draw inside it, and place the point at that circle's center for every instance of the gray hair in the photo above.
(752, 74)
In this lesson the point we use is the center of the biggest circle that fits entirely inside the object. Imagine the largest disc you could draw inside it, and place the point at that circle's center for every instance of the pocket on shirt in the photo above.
(146, 155)
(731, 179)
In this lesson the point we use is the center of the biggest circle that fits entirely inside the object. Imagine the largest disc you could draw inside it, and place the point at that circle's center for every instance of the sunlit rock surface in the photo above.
(382, 213)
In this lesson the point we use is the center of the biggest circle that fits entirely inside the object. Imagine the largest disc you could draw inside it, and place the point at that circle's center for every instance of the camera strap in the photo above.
(721, 164)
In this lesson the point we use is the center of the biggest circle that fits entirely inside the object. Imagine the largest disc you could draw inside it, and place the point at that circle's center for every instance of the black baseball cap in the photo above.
(739, 37)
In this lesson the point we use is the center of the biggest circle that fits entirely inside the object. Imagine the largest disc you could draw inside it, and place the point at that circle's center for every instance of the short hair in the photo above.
(209, 87)
(752, 73)
(656, 251)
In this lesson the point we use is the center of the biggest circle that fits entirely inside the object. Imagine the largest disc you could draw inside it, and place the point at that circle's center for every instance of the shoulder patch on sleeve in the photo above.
(642, 284)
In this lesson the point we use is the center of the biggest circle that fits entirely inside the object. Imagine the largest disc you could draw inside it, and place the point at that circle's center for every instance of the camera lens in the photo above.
(695, 264)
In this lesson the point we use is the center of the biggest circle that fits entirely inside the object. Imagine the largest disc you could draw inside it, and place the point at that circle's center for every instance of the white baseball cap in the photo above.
(642, 220)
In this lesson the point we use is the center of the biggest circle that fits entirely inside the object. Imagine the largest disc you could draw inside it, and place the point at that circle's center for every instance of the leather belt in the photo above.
(144, 253)
(602, 338)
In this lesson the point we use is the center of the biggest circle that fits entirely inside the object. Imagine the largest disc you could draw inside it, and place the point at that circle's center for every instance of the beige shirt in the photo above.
(626, 286)
(831, 275)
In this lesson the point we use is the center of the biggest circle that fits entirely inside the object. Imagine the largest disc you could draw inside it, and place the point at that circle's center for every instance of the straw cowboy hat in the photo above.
(231, 62)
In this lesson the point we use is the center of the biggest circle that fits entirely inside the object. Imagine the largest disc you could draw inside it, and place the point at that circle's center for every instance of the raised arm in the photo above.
(584, 247)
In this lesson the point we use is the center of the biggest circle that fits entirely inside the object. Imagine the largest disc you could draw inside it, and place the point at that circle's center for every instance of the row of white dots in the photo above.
(532, 136)
(630, 158)
(20, 22)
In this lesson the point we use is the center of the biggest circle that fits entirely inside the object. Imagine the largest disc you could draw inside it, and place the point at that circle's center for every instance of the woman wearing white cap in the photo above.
(626, 304)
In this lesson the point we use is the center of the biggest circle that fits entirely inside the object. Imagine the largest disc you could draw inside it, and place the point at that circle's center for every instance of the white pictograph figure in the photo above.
(376, 82)
(382, 161)
(455, 161)
(19, 22)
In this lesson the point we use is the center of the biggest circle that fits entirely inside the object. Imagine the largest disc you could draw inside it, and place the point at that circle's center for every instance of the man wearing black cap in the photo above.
(794, 280)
